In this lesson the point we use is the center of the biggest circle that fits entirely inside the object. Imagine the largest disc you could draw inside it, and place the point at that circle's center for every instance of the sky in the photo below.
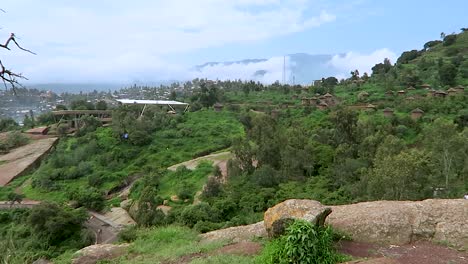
(142, 40)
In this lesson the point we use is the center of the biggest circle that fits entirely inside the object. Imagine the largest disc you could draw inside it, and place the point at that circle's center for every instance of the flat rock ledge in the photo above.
(95, 253)
(381, 222)
(236, 234)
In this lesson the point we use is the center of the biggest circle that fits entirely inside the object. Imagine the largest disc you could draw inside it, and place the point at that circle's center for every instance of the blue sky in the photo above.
(122, 41)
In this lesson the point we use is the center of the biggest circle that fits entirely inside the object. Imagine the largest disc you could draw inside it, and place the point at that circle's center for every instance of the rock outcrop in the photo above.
(382, 222)
(237, 233)
(93, 254)
(279, 216)
(401, 222)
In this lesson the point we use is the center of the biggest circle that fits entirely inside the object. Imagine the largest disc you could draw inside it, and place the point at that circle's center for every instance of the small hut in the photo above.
(275, 113)
(440, 93)
(305, 101)
(295, 97)
(410, 98)
(460, 89)
(322, 106)
(388, 112)
(371, 107)
(389, 93)
(327, 95)
(313, 100)
(426, 86)
(218, 107)
(401, 92)
(452, 92)
(416, 113)
(411, 88)
(363, 95)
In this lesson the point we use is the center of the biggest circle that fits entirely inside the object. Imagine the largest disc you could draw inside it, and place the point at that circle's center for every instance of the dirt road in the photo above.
(21, 159)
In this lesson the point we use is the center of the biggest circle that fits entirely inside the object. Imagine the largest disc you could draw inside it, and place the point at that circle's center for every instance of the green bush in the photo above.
(303, 243)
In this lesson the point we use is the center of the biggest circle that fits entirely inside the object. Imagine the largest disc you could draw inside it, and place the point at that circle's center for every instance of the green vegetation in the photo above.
(341, 152)
(13, 140)
(303, 243)
(45, 231)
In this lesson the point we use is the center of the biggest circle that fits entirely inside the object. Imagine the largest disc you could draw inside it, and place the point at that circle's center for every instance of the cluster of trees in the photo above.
(45, 231)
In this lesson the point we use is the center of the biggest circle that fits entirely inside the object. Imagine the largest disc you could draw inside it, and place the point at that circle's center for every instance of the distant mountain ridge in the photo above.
(301, 68)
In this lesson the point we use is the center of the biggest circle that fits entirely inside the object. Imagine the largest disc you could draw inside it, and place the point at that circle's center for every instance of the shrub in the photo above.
(302, 243)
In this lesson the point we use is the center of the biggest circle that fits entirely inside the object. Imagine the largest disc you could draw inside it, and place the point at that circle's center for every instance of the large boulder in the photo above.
(95, 253)
(401, 222)
(237, 233)
(278, 217)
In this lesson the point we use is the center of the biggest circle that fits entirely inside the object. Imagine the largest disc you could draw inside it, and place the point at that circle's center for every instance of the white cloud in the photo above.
(246, 71)
(114, 40)
(362, 62)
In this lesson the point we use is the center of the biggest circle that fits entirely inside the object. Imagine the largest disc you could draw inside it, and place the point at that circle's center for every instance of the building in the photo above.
(426, 86)
(460, 89)
(322, 106)
(417, 113)
(363, 95)
(218, 107)
(305, 101)
(401, 92)
(452, 92)
(371, 107)
(388, 112)
(440, 93)
(275, 113)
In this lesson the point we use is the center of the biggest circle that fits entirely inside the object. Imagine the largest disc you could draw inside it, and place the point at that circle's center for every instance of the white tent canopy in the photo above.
(169, 103)
(152, 102)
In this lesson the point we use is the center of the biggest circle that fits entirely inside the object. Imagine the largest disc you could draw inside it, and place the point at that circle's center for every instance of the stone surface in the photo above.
(125, 204)
(279, 216)
(402, 222)
(42, 261)
(119, 216)
(93, 254)
(237, 234)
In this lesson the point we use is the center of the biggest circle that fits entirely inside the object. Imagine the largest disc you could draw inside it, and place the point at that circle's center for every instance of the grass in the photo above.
(155, 245)
(173, 181)
(224, 259)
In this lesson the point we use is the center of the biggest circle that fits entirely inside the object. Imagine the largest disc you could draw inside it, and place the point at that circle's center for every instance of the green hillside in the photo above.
(400, 133)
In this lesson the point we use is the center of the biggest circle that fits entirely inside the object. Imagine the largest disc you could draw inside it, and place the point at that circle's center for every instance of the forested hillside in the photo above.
(398, 133)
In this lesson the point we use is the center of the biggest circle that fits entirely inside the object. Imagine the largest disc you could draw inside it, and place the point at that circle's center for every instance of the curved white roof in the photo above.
(154, 102)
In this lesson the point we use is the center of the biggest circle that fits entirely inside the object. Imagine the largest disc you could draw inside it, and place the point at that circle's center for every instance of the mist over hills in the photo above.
(299, 68)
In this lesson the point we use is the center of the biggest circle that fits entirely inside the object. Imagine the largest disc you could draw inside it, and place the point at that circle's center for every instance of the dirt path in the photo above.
(21, 159)
(421, 252)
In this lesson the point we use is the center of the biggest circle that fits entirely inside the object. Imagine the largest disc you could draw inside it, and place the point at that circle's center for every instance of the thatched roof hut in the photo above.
(388, 112)
(218, 107)
(416, 113)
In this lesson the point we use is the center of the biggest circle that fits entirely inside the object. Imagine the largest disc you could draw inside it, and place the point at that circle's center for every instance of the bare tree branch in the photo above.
(12, 38)
(7, 76)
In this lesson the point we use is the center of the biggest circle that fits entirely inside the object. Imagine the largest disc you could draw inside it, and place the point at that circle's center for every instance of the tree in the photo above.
(7, 76)
(408, 56)
(401, 176)
(56, 224)
(449, 39)
(447, 147)
(15, 198)
(431, 44)
(329, 82)
(101, 105)
(447, 74)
